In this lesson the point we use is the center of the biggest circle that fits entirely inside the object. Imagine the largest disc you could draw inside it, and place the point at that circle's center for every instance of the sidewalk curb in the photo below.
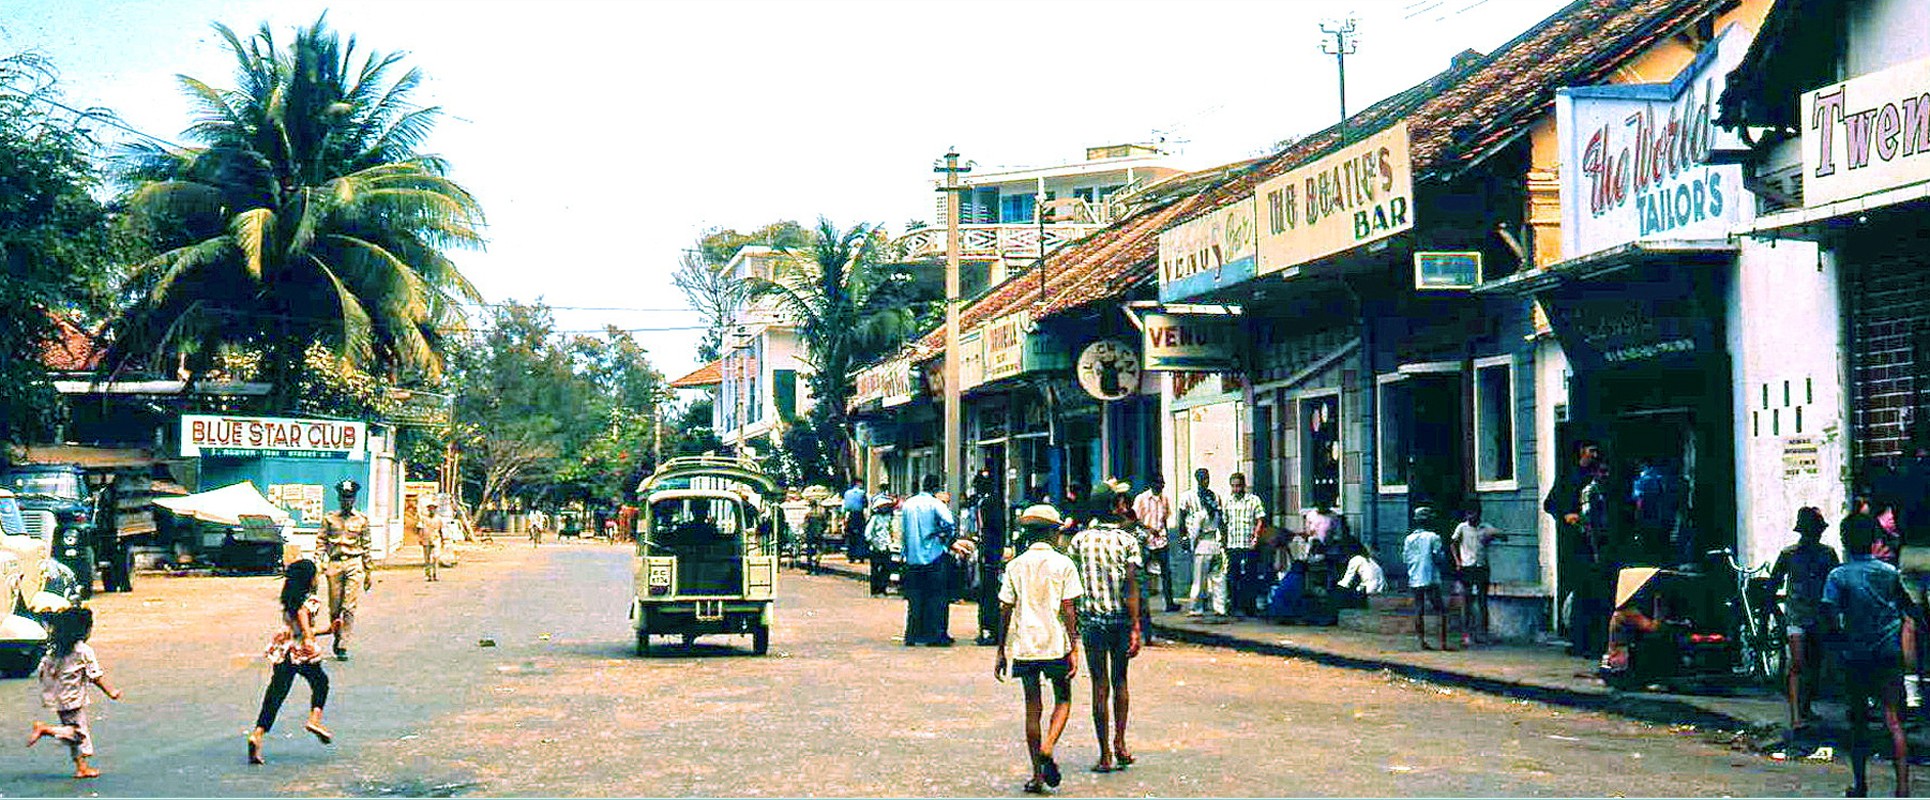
(1643, 707)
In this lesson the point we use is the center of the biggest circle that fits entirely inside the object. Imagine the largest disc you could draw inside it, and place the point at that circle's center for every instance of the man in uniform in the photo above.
(344, 549)
(429, 528)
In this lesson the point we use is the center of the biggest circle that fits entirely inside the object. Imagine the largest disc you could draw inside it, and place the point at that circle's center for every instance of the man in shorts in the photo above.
(1864, 599)
(1109, 563)
(1805, 565)
(1038, 626)
(1423, 552)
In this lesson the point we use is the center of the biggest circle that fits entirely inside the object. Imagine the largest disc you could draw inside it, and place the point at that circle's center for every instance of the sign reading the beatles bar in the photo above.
(1208, 252)
(225, 436)
(1005, 345)
(1190, 342)
(1867, 134)
(1637, 158)
(1361, 193)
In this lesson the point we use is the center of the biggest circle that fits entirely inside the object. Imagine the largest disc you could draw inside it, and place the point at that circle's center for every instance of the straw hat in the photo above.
(1631, 580)
(1041, 514)
(1810, 520)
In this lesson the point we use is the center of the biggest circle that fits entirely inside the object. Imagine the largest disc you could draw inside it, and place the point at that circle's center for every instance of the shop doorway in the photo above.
(1437, 470)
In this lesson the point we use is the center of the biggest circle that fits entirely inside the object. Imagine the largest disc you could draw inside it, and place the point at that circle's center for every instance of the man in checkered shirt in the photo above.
(1109, 563)
(1245, 517)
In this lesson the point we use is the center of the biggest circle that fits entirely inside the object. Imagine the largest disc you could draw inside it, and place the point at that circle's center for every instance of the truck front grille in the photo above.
(40, 524)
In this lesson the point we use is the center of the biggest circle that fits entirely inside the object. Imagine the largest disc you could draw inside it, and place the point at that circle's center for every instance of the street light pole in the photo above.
(954, 447)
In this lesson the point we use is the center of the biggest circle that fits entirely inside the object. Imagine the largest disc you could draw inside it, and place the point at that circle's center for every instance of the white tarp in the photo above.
(226, 505)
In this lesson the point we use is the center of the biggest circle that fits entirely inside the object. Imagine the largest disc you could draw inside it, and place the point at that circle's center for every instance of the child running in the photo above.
(293, 651)
(70, 664)
(1039, 625)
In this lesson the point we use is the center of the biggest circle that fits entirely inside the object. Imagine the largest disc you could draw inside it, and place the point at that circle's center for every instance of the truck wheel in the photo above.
(761, 639)
(124, 568)
(22, 664)
(643, 643)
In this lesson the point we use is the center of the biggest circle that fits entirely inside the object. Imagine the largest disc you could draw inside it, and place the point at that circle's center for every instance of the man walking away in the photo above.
(1202, 516)
(1154, 514)
(1109, 564)
(1423, 553)
(1038, 626)
(429, 529)
(1471, 540)
(1864, 599)
(927, 526)
(991, 552)
(1805, 565)
(855, 548)
(343, 546)
(1246, 518)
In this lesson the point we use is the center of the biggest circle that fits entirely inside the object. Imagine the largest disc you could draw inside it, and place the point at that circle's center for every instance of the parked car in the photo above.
(32, 586)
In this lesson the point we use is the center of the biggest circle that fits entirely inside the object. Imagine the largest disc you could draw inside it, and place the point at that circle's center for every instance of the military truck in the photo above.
(78, 523)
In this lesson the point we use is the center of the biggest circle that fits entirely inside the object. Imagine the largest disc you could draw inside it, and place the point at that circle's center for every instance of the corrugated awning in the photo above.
(1603, 262)
(91, 457)
(1811, 223)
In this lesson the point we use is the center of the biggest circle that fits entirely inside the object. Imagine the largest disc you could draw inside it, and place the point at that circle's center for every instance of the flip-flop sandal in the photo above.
(1125, 759)
(321, 733)
(254, 752)
(1034, 786)
(1104, 768)
(1050, 770)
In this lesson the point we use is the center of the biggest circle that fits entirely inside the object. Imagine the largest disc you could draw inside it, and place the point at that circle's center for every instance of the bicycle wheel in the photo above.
(1773, 652)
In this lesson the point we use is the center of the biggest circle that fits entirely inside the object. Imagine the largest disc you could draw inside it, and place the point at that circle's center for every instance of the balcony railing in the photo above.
(1014, 241)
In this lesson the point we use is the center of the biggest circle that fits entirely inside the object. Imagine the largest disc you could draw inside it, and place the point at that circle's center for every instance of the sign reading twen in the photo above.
(1190, 342)
(1643, 156)
(1867, 134)
(210, 435)
(1362, 193)
(1208, 252)
(1005, 346)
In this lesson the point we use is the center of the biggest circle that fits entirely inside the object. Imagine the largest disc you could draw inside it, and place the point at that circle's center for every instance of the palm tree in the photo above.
(849, 309)
(302, 214)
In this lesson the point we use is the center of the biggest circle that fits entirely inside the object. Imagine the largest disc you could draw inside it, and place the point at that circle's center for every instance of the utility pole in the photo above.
(954, 420)
(1338, 41)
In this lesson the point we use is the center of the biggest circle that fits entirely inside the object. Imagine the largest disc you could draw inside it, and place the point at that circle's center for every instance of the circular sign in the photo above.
(1109, 369)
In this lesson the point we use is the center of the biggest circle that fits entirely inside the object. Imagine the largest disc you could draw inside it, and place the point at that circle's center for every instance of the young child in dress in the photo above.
(70, 664)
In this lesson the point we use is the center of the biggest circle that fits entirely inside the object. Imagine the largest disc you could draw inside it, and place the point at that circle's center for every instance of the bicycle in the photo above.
(1759, 624)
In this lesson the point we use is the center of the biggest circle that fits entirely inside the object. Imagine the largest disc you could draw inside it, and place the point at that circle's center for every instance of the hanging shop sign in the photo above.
(971, 360)
(1663, 316)
(1190, 342)
(1867, 134)
(1644, 157)
(1434, 271)
(1004, 345)
(1211, 251)
(224, 436)
(1362, 193)
(888, 384)
(1108, 369)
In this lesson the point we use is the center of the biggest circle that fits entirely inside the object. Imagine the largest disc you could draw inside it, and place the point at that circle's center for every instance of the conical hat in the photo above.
(1630, 581)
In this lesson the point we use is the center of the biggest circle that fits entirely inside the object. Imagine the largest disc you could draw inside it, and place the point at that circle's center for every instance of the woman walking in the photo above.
(293, 652)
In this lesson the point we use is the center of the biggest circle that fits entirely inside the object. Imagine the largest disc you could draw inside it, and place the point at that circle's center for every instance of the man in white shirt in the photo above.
(1202, 516)
(1038, 624)
(1246, 519)
(1423, 553)
(1471, 540)
(1155, 515)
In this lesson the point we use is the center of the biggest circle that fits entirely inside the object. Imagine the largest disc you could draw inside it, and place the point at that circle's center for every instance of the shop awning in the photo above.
(226, 505)
(1811, 223)
(1603, 262)
(91, 457)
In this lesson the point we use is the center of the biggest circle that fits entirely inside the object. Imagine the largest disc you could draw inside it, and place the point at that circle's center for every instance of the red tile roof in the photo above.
(709, 374)
(74, 349)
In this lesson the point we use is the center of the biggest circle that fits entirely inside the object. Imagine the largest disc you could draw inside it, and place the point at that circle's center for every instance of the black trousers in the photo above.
(855, 547)
(988, 597)
(279, 684)
(1163, 557)
(927, 601)
(881, 566)
(1244, 583)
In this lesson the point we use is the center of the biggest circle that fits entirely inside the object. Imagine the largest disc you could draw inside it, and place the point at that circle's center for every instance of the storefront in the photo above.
(294, 462)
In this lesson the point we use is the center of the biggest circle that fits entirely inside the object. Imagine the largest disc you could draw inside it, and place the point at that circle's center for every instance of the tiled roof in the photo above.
(75, 350)
(709, 374)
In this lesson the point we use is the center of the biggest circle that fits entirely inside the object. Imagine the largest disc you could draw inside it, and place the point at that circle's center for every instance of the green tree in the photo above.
(518, 407)
(304, 213)
(54, 240)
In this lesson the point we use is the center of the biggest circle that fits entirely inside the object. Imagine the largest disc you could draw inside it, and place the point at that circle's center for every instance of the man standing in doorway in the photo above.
(1154, 513)
(1109, 564)
(343, 546)
(1579, 568)
(1202, 516)
(854, 503)
(928, 527)
(428, 528)
(1246, 517)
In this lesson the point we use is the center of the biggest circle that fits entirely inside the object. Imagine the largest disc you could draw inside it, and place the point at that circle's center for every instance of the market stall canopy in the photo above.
(226, 505)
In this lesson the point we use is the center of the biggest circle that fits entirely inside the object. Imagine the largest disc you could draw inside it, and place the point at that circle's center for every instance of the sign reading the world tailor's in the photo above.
(1211, 251)
(1638, 157)
(1867, 134)
(212, 435)
(1190, 342)
(1361, 193)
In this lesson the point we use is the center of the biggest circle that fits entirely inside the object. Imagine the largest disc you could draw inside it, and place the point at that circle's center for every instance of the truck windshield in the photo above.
(51, 484)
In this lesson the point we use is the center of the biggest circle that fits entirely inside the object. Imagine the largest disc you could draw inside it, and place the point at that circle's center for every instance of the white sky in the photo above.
(603, 137)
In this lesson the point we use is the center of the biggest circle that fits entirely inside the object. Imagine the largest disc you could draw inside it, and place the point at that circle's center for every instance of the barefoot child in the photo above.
(1863, 599)
(66, 670)
(1038, 626)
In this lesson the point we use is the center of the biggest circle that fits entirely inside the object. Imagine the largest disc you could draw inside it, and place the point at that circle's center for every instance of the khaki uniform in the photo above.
(429, 529)
(344, 549)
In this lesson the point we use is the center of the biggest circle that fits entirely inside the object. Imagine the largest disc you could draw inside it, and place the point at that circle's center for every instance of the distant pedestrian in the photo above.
(65, 671)
(1109, 563)
(927, 529)
(428, 528)
(1202, 516)
(879, 541)
(992, 542)
(344, 548)
(1470, 550)
(855, 548)
(1038, 629)
(1585, 576)
(293, 652)
(1423, 553)
(1246, 522)
(1864, 599)
(1154, 513)
(1363, 575)
(536, 521)
(1800, 571)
